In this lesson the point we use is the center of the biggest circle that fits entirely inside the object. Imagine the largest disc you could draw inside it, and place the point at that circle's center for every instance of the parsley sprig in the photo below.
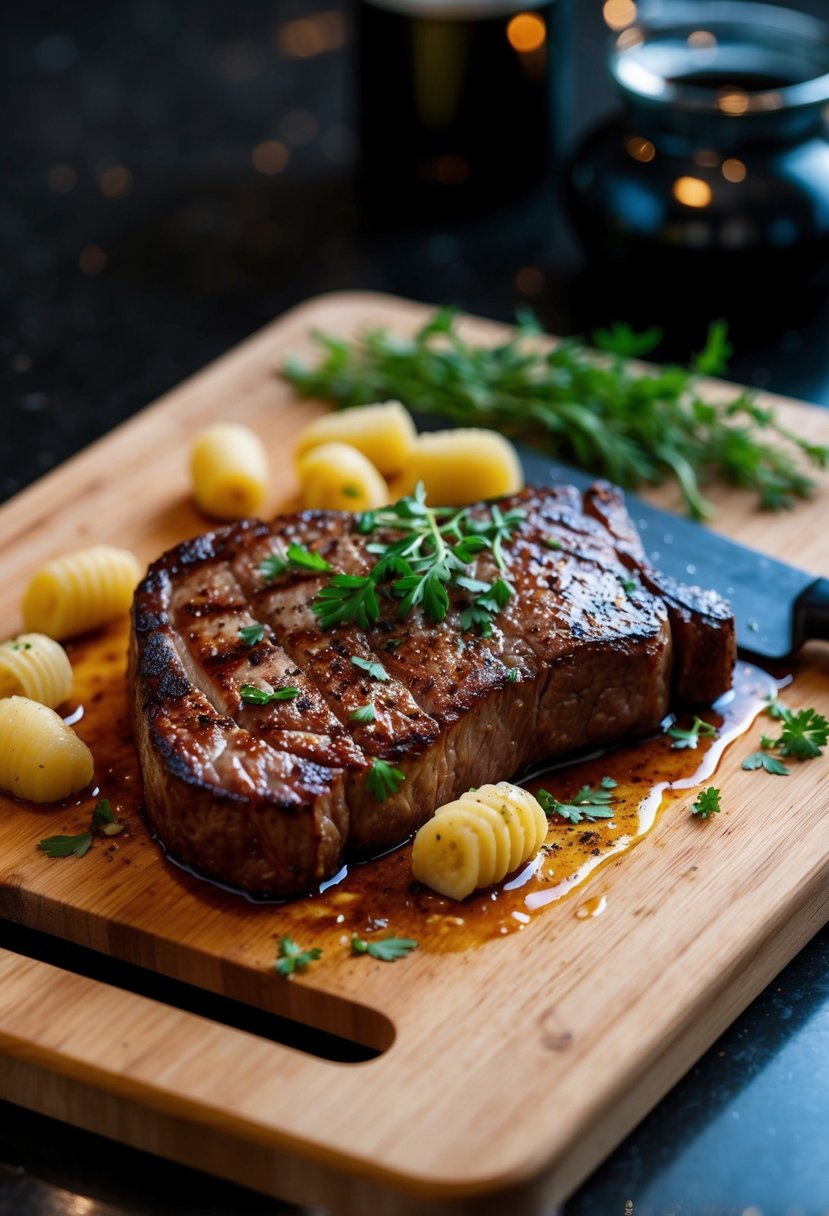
(586, 804)
(78, 846)
(383, 779)
(803, 735)
(291, 957)
(261, 696)
(386, 949)
(434, 552)
(296, 557)
(690, 738)
(707, 803)
(634, 426)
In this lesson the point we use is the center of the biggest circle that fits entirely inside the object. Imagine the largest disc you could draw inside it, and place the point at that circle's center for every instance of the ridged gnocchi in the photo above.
(80, 591)
(230, 471)
(384, 434)
(338, 477)
(461, 466)
(41, 758)
(36, 666)
(478, 839)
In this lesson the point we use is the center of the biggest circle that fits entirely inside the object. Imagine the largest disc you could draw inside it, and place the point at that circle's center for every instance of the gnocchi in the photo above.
(478, 839)
(41, 758)
(35, 666)
(80, 591)
(230, 471)
(383, 433)
(338, 477)
(461, 466)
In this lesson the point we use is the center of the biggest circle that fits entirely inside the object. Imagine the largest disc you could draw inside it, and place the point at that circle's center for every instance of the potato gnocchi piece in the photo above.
(338, 477)
(462, 466)
(80, 591)
(230, 471)
(383, 433)
(36, 666)
(478, 839)
(41, 758)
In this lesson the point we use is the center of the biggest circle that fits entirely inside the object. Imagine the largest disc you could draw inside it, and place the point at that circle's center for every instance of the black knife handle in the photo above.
(811, 613)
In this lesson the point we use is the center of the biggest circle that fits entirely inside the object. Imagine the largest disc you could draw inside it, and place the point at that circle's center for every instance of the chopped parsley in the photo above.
(297, 556)
(765, 760)
(78, 846)
(586, 804)
(376, 670)
(291, 957)
(387, 949)
(363, 713)
(690, 738)
(259, 696)
(384, 779)
(707, 803)
(252, 635)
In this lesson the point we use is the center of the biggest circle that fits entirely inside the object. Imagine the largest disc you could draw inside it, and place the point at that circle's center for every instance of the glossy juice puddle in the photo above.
(379, 897)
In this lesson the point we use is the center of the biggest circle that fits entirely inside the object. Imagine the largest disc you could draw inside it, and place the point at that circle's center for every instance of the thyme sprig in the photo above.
(632, 425)
(433, 553)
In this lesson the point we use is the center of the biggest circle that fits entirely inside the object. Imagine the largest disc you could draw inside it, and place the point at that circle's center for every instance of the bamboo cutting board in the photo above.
(508, 1063)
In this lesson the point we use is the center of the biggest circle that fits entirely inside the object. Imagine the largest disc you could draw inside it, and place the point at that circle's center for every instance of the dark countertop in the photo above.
(140, 240)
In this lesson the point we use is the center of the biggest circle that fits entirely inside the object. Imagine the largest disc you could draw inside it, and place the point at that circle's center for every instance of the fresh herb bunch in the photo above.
(586, 804)
(434, 552)
(634, 426)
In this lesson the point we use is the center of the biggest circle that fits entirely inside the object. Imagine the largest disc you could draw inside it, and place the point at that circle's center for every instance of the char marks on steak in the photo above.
(271, 798)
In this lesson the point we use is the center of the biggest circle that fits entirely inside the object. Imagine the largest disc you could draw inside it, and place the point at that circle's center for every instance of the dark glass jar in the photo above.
(715, 178)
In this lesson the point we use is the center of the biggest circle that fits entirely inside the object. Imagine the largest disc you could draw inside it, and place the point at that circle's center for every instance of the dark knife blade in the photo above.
(776, 606)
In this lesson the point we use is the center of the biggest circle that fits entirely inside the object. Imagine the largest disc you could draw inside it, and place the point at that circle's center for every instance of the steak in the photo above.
(593, 646)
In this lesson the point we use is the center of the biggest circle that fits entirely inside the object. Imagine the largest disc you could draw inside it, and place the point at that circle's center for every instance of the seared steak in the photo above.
(592, 646)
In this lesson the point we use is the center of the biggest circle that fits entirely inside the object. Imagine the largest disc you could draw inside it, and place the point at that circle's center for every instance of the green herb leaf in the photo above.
(387, 949)
(66, 846)
(297, 556)
(586, 804)
(79, 846)
(306, 559)
(803, 735)
(765, 760)
(259, 696)
(707, 803)
(376, 670)
(252, 635)
(690, 738)
(364, 713)
(632, 425)
(384, 779)
(345, 598)
(291, 957)
(512, 675)
(773, 707)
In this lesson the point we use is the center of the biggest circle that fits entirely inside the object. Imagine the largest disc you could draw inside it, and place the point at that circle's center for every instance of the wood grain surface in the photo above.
(509, 1064)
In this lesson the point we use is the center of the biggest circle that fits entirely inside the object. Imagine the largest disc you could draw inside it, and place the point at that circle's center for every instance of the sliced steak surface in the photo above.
(592, 647)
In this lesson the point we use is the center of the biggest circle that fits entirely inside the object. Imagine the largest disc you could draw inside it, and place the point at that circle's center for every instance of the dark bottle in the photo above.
(712, 187)
(458, 102)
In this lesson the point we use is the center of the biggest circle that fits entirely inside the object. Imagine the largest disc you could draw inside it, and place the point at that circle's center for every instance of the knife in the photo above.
(777, 607)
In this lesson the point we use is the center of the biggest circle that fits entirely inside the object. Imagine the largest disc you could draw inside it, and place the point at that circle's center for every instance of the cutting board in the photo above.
(504, 1065)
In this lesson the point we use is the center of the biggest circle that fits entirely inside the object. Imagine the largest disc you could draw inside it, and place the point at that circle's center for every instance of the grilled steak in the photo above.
(592, 646)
